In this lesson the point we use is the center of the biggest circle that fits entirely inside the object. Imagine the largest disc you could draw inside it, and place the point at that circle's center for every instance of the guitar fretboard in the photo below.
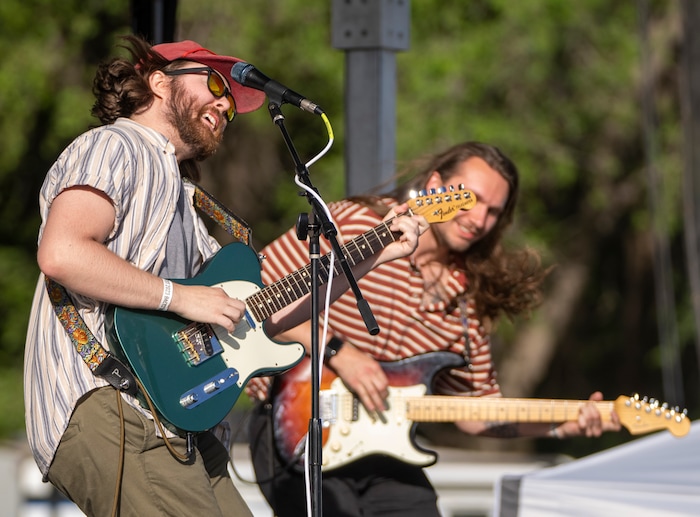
(290, 288)
(451, 409)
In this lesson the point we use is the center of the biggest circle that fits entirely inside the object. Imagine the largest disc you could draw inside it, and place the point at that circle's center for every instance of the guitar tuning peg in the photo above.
(422, 192)
(442, 190)
(452, 189)
(461, 186)
(432, 191)
(664, 405)
(413, 194)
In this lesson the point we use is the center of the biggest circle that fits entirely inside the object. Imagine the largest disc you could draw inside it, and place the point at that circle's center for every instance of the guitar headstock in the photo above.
(640, 415)
(442, 204)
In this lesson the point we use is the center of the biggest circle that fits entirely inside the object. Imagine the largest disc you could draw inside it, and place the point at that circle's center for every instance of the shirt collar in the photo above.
(154, 137)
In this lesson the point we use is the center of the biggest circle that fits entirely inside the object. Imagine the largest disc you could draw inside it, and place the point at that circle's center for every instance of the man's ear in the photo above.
(159, 83)
(434, 180)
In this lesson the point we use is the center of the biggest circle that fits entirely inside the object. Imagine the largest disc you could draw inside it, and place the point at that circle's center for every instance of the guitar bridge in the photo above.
(197, 342)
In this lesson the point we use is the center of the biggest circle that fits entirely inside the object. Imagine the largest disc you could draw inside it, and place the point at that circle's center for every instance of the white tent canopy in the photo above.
(654, 476)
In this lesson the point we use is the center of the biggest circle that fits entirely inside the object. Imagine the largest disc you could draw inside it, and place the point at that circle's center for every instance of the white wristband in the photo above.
(554, 431)
(167, 295)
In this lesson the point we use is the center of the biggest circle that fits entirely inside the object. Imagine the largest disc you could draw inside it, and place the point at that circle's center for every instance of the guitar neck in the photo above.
(484, 409)
(290, 288)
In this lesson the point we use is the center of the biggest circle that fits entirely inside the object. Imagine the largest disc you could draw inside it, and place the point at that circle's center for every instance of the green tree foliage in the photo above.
(49, 52)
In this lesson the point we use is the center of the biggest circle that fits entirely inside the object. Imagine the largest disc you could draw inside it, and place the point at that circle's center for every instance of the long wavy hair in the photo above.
(121, 88)
(502, 282)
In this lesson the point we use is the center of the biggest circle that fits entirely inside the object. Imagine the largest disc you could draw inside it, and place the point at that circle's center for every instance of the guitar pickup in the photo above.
(328, 407)
(197, 342)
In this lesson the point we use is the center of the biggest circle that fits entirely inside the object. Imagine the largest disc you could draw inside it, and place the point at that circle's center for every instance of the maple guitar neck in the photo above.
(451, 409)
(637, 415)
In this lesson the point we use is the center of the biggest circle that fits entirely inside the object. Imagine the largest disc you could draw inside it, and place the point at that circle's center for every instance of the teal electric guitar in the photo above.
(195, 372)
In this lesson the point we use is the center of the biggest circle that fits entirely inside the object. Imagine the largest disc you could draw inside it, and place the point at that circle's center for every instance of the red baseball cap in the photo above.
(247, 99)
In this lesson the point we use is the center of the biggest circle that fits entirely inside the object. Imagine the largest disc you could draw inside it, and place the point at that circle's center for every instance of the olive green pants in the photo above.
(153, 481)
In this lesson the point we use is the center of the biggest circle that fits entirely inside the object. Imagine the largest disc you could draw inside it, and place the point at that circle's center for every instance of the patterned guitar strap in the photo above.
(100, 361)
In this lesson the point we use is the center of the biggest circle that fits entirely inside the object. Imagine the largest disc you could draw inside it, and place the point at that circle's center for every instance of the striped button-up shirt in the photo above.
(136, 168)
(394, 291)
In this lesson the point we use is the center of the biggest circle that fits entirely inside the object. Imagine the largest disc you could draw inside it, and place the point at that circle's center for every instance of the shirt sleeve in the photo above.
(97, 159)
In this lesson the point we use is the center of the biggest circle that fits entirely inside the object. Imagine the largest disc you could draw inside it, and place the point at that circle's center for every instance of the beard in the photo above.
(450, 240)
(193, 133)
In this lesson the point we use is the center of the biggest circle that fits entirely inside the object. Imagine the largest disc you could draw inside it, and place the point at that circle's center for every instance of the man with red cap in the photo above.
(118, 220)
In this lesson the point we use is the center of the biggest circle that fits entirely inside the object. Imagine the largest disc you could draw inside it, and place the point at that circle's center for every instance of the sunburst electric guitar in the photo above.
(195, 372)
(351, 433)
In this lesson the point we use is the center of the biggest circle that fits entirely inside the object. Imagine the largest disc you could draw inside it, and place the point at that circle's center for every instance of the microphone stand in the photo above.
(317, 223)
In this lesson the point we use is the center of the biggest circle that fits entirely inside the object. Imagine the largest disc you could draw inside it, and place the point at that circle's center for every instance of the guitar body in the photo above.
(194, 373)
(349, 431)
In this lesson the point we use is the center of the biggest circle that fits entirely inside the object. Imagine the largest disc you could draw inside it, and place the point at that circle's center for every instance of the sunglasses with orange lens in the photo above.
(215, 83)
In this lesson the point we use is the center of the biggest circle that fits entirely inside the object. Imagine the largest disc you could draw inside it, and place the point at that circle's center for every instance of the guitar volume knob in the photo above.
(188, 400)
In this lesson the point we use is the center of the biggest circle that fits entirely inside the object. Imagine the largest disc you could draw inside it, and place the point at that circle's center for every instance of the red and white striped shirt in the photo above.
(394, 291)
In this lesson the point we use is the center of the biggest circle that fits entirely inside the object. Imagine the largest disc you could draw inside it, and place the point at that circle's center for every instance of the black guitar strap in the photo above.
(100, 361)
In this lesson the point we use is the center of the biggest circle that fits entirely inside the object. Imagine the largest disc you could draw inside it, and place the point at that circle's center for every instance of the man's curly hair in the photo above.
(121, 88)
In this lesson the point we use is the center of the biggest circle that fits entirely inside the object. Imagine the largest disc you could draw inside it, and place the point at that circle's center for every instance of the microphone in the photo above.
(247, 75)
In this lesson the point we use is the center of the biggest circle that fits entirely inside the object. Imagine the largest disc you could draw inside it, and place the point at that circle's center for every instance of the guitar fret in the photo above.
(324, 268)
(298, 284)
(358, 254)
(285, 288)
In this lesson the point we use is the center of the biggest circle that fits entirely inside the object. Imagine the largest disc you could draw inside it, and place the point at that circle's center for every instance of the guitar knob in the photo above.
(188, 400)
